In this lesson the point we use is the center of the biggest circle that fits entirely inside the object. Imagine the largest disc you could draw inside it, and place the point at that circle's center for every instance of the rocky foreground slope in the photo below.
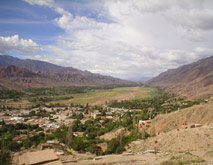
(173, 143)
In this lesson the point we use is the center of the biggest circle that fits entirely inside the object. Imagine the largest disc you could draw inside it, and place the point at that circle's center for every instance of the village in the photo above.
(74, 132)
(48, 119)
(53, 118)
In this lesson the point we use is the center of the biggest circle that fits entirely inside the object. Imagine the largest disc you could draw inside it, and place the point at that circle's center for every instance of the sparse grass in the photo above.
(167, 162)
(106, 95)
(188, 158)
(209, 154)
(90, 96)
(182, 162)
(149, 93)
(90, 158)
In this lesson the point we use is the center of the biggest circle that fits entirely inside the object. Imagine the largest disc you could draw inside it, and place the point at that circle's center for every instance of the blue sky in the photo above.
(19, 17)
(124, 38)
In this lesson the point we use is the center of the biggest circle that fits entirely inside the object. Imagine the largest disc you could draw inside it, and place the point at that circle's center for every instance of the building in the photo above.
(145, 123)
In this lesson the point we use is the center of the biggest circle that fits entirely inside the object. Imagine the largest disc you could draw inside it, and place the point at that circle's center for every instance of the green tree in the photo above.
(112, 145)
(94, 149)
(76, 126)
(4, 157)
(69, 136)
(78, 144)
(27, 143)
(13, 146)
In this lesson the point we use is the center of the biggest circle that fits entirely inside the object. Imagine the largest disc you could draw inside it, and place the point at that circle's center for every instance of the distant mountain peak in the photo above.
(16, 73)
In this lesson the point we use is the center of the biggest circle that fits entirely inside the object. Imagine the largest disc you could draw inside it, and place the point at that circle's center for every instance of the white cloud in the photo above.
(136, 62)
(40, 2)
(14, 43)
(136, 38)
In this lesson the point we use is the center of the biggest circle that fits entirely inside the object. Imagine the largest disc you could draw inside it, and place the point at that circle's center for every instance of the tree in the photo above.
(27, 143)
(134, 122)
(13, 146)
(94, 149)
(4, 157)
(78, 144)
(127, 120)
(120, 137)
(142, 115)
(113, 146)
(69, 136)
(76, 125)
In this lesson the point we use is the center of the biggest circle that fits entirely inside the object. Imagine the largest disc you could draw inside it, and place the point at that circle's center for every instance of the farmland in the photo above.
(75, 95)
(99, 97)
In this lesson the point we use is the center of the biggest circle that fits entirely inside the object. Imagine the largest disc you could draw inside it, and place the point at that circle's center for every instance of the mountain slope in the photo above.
(12, 77)
(16, 74)
(29, 64)
(193, 80)
(201, 114)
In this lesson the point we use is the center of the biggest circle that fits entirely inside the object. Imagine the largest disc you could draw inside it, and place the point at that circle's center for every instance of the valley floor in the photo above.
(183, 136)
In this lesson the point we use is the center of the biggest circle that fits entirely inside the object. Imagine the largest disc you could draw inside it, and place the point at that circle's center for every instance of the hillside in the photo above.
(173, 138)
(193, 80)
(201, 114)
(12, 77)
(195, 139)
(16, 74)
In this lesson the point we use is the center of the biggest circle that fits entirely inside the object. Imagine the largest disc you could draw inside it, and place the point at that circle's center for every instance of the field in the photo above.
(101, 96)
(78, 95)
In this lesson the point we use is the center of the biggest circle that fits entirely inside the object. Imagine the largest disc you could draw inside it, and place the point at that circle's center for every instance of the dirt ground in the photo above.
(161, 158)
(188, 146)
(200, 114)
(193, 139)
(113, 134)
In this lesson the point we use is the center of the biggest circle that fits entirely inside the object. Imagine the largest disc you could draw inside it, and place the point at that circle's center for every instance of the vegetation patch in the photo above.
(183, 159)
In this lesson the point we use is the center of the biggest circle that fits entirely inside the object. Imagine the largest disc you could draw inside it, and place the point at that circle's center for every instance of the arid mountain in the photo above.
(144, 79)
(16, 74)
(12, 77)
(29, 64)
(13, 71)
(193, 80)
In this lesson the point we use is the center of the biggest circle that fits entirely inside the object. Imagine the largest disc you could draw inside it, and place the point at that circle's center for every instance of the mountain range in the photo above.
(17, 74)
(193, 80)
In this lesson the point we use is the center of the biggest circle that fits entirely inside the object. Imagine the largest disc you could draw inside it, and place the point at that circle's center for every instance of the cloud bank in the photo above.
(14, 43)
(130, 38)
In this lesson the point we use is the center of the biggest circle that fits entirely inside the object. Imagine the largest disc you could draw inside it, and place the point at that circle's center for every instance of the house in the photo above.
(93, 115)
(78, 134)
(191, 125)
(145, 123)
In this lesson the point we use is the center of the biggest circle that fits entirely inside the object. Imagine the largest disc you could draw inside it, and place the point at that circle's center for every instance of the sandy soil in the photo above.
(162, 158)
(201, 114)
(193, 139)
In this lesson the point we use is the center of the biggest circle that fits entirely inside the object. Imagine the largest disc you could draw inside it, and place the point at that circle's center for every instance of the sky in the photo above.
(128, 39)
